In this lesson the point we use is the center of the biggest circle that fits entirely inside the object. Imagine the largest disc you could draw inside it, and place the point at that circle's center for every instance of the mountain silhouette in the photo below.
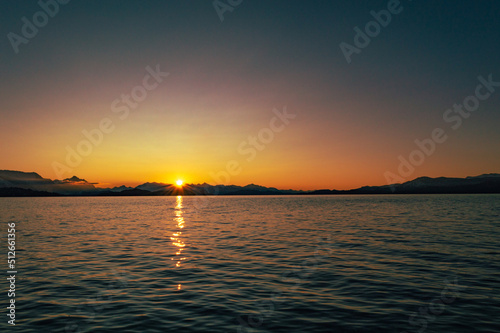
(22, 184)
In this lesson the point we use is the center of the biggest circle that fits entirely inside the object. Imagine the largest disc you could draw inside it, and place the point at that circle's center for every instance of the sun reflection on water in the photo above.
(177, 239)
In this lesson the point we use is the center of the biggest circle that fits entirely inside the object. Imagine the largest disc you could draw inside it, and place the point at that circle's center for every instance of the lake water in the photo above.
(403, 263)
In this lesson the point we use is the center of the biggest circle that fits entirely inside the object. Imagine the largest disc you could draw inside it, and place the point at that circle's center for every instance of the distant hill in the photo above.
(488, 183)
(22, 192)
(33, 181)
(22, 184)
(127, 192)
(20, 179)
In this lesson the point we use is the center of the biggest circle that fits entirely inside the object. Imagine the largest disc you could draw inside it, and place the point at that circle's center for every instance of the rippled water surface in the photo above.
(425, 263)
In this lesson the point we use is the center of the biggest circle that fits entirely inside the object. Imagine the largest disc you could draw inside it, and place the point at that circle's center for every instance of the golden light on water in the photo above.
(176, 238)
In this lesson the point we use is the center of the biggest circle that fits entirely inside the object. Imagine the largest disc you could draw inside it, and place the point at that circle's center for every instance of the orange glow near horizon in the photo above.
(298, 157)
(203, 147)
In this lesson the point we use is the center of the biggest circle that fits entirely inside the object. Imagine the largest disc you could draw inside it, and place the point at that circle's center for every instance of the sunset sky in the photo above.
(351, 120)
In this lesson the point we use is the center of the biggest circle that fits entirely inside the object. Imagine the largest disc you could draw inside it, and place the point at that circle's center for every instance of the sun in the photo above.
(179, 182)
